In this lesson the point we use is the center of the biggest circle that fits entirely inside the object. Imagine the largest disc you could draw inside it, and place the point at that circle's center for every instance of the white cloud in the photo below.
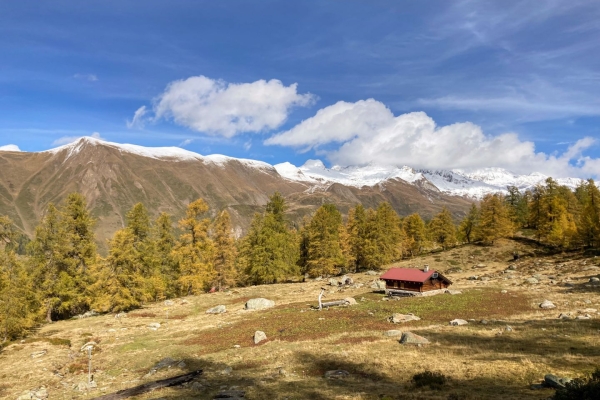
(10, 147)
(86, 77)
(185, 142)
(216, 107)
(138, 121)
(370, 133)
(70, 139)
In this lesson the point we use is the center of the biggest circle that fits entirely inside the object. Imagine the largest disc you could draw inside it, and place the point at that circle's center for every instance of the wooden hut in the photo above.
(414, 281)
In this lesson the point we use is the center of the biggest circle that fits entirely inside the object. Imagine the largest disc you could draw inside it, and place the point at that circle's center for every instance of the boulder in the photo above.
(411, 338)
(458, 322)
(346, 280)
(378, 284)
(553, 381)
(564, 316)
(350, 301)
(259, 336)
(333, 282)
(481, 265)
(259, 304)
(337, 374)
(547, 304)
(585, 316)
(451, 291)
(220, 309)
(594, 279)
(35, 394)
(402, 318)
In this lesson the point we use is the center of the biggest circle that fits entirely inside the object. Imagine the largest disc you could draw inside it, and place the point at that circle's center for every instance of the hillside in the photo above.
(509, 343)
(113, 177)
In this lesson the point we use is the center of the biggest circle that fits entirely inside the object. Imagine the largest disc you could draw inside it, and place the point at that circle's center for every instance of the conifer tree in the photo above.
(415, 234)
(356, 227)
(120, 285)
(19, 306)
(518, 206)
(194, 251)
(442, 229)
(225, 251)
(494, 222)
(589, 221)
(385, 236)
(269, 251)
(556, 225)
(164, 243)
(324, 251)
(469, 225)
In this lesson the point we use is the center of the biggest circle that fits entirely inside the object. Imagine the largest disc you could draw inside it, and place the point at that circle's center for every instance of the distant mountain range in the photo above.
(113, 177)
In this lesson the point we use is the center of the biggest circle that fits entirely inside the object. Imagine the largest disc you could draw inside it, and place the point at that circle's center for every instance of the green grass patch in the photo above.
(52, 341)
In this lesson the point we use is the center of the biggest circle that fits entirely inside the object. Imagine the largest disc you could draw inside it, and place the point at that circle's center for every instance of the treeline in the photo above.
(59, 273)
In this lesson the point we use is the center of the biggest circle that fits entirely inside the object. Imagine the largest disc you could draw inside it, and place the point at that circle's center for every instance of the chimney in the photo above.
(426, 268)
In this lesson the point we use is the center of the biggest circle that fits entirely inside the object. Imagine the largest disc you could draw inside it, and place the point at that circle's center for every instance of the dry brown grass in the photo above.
(482, 361)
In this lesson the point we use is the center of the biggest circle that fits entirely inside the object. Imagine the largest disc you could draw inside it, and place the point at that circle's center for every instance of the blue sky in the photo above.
(455, 84)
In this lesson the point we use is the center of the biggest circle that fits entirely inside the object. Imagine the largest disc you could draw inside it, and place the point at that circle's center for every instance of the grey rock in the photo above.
(378, 284)
(227, 371)
(484, 322)
(411, 338)
(169, 303)
(333, 282)
(346, 280)
(504, 291)
(547, 304)
(350, 301)
(594, 279)
(508, 328)
(532, 281)
(337, 374)
(259, 304)
(452, 291)
(371, 273)
(485, 278)
(585, 316)
(553, 381)
(259, 336)
(481, 265)
(402, 318)
(35, 394)
(154, 325)
(37, 354)
(220, 309)
(473, 278)
(393, 332)
(564, 316)
(458, 322)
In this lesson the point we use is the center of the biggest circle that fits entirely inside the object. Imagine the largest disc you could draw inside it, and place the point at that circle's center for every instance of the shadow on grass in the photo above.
(365, 381)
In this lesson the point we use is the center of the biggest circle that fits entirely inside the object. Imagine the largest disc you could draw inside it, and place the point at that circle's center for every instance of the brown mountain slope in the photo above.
(112, 180)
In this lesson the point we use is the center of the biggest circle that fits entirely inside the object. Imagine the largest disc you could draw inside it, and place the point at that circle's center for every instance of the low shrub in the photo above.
(435, 380)
(581, 389)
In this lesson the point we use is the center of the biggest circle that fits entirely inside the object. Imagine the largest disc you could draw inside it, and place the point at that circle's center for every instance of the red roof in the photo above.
(407, 274)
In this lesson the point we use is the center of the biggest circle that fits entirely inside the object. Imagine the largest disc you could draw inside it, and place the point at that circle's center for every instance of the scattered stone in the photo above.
(81, 387)
(378, 284)
(473, 278)
(512, 267)
(371, 273)
(227, 371)
(532, 281)
(87, 314)
(411, 338)
(259, 336)
(154, 326)
(92, 385)
(547, 304)
(452, 291)
(485, 278)
(35, 394)
(91, 344)
(458, 322)
(165, 363)
(402, 318)
(220, 309)
(564, 316)
(346, 280)
(40, 353)
(555, 382)
(259, 304)
(350, 301)
(484, 322)
(504, 291)
(508, 328)
(585, 316)
(318, 278)
(337, 374)
(185, 301)
(333, 282)
(481, 265)
(587, 301)
(236, 346)
(594, 279)
(393, 332)
(169, 303)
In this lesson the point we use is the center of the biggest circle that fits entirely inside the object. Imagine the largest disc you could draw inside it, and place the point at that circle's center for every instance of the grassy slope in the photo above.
(483, 361)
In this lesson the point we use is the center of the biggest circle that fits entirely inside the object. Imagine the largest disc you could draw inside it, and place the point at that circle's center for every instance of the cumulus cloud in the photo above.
(10, 147)
(70, 139)
(139, 118)
(368, 132)
(185, 142)
(220, 108)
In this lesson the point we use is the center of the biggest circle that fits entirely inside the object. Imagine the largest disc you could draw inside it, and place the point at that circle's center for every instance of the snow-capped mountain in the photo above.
(475, 183)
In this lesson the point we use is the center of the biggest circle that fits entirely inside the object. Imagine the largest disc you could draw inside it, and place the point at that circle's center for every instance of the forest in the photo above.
(58, 273)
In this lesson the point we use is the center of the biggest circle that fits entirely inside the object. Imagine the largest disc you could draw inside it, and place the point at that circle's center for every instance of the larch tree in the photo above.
(495, 221)
(468, 226)
(385, 236)
(324, 251)
(415, 234)
(356, 228)
(163, 244)
(225, 252)
(589, 220)
(442, 229)
(194, 251)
